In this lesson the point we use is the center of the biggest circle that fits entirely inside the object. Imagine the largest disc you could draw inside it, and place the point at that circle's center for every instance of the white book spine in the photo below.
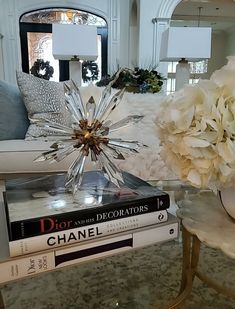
(77, 235)
(29, 265)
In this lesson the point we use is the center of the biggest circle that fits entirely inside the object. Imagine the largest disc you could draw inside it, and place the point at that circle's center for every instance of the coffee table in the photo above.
(203, 221)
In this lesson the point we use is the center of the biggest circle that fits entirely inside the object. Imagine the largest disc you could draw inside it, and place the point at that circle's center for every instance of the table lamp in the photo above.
(74, 43)
(185, 44)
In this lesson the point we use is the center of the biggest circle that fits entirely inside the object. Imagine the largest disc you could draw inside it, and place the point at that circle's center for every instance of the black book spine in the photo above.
(83, 217)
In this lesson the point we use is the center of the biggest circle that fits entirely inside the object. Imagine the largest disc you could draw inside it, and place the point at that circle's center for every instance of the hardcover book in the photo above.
(77, 235)
(41, 205)
(47, 260)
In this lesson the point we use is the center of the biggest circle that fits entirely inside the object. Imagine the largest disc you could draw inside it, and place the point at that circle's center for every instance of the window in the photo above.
(197, 70)
(36, 39)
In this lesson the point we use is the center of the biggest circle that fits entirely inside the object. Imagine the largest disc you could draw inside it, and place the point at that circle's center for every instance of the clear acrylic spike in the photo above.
(107, 123)
(104, 131)
(72, 90)
(105, 96)
(94, 157)
(75, 172)
(78, 176)
(115, 153)
(58, 152)
(90, 110)
(115, 100)
(74, 111)
(51, 126)
(73, 167)
(46, 156)
(63, 153)
(110, 170)
(127, 121)
(131, 145)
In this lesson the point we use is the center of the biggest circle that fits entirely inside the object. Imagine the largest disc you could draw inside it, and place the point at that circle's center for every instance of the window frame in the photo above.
(171, 75)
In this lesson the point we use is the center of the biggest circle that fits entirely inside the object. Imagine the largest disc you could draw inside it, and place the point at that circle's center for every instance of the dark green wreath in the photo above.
(42, 66)
(90, 71)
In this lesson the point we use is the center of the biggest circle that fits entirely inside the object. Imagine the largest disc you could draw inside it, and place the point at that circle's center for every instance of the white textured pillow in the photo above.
(43, 99)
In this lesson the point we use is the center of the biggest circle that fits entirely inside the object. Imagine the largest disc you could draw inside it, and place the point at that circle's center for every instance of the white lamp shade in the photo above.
(69, 40)
(191, 43)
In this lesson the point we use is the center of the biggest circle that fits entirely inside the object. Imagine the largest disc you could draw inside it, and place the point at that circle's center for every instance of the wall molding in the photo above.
(167, 8)
(44, 4)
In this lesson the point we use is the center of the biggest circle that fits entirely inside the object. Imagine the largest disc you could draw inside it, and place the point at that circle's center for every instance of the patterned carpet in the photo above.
(143, 279)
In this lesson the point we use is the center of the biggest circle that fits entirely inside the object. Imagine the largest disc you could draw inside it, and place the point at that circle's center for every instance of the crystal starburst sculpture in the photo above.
(89, 135)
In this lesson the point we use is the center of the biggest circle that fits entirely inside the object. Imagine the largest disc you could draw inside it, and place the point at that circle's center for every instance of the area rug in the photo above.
(147, 278)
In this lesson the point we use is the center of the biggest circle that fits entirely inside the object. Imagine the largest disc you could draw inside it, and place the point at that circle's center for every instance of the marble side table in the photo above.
(203, 221)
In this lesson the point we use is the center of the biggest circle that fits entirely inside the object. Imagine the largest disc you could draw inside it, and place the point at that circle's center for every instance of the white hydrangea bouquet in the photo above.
(196, 127)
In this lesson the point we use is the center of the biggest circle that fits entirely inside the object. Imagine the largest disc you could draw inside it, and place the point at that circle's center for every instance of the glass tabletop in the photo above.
(203, 215)
(144, 278)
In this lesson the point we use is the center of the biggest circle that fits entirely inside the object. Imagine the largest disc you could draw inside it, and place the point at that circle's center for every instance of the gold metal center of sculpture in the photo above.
(88, 137)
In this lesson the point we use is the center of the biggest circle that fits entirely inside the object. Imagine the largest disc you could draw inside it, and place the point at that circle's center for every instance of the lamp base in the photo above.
(182, 74)
(75, 71)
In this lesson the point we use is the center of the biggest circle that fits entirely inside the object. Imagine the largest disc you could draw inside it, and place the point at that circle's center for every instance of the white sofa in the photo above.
(17, 156)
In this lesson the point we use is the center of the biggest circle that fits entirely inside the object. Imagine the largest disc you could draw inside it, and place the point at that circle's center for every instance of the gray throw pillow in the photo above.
(43, 99)
(13, 114)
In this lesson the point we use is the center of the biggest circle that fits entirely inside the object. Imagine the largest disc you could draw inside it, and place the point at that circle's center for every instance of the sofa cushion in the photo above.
(13, 114)
(43, 99)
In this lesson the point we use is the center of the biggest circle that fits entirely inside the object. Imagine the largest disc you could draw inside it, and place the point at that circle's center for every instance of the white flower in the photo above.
(196, 127)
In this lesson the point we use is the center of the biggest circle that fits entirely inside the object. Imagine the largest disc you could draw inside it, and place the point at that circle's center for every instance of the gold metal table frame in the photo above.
(191, 253)
(202, 218)
(1, 301)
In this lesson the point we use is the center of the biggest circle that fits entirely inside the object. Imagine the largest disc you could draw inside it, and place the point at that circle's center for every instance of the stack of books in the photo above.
(47, 228)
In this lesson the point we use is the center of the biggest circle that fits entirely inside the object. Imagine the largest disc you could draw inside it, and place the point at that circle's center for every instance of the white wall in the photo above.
(133, 34)
(125, 33)
(218, 53)
(230, 42)
(1, 40)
